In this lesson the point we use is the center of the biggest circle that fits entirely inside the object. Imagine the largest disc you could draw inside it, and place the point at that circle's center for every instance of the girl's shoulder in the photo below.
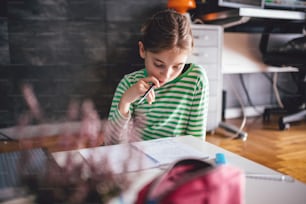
(197, 70)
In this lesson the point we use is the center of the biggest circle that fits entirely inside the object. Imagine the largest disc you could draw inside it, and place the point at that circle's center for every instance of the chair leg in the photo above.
(269, 111)
(284, 122)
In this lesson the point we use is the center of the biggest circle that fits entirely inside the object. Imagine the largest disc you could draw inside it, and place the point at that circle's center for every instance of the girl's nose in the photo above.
(166, 73)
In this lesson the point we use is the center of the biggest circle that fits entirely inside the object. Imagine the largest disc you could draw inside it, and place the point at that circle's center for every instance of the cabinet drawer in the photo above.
(213, 86)
(204, 55)
(212, 71)
(204, 37)
(212, 104)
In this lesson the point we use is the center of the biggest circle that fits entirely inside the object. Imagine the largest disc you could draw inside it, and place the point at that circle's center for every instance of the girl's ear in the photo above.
(141, 49)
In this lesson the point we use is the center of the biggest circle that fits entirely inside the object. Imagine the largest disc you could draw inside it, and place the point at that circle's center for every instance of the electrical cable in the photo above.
(276, 93)
(247, 94)
(282, 89)
(244, 118)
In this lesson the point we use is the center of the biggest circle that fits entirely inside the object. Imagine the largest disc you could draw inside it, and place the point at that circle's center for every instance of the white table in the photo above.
(257, 191)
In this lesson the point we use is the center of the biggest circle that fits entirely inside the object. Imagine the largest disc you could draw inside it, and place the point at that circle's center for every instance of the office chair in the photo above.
(292, 54)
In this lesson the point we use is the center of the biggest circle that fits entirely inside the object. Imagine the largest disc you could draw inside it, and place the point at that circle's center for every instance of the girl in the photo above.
(176, 93)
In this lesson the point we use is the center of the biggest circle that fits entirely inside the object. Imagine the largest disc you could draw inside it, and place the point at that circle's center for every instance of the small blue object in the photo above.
(220, 159)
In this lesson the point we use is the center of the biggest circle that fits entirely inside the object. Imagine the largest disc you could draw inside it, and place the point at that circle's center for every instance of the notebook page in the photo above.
(167, 150)
(120, 158)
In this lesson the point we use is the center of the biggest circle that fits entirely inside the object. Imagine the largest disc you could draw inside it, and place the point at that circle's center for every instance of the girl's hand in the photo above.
(135, 92)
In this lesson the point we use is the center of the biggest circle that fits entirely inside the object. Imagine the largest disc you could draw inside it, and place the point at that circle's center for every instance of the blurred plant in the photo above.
(76, 181)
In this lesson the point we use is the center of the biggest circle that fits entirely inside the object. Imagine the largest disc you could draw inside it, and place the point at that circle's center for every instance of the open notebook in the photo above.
(134, 156)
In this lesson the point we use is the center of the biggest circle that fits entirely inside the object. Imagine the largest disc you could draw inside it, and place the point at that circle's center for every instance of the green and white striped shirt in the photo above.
(180, 106)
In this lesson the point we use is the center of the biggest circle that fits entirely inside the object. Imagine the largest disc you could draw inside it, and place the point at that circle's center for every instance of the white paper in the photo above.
(120, 158)
(167, 150)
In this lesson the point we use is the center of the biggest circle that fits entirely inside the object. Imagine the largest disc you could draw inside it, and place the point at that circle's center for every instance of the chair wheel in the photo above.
(266, 115)
(282, 125)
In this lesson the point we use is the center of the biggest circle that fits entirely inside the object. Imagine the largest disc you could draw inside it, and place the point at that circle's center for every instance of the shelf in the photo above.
(233, 17)
(272, 13)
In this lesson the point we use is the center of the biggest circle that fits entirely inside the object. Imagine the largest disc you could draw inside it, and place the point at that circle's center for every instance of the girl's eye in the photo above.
(177, 67)
(159, 65)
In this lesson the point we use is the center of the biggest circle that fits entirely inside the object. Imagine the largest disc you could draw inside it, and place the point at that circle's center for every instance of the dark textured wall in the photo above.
(67, 50)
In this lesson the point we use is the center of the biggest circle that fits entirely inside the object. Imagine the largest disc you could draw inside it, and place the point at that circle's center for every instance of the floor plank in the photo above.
(283, 151)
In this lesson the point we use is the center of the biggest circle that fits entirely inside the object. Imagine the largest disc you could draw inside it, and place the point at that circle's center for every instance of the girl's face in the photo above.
(165, 65)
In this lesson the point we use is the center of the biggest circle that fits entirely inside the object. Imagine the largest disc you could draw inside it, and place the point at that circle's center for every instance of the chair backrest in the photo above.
(292, 53)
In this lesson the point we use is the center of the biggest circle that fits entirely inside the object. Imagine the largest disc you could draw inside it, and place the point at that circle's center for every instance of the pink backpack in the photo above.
(192, 181)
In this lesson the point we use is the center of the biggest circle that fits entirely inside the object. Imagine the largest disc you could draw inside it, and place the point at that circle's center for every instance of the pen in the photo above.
(145, 95)
(270, 177)
(146, 154)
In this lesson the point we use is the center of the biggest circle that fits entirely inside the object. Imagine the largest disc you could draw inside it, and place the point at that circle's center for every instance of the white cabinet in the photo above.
(208, 41)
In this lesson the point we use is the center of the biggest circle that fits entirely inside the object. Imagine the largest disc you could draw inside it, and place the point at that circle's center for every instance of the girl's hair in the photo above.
(165, 30)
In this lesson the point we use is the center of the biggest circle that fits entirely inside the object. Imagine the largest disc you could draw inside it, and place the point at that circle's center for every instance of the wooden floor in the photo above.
(283, 151)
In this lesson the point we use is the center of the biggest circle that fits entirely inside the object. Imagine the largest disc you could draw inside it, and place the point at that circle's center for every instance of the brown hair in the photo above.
(165, 30)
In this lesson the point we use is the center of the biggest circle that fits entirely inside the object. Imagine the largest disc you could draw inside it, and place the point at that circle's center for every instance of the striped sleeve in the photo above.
(117, 122)
(198, 116)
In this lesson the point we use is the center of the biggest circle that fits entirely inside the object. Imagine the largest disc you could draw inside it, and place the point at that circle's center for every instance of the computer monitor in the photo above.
(296, 5)
(268, 8)
(241, 3)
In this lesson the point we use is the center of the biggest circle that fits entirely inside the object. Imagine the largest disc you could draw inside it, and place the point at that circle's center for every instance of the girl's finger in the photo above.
(153, 80)
(151, 97)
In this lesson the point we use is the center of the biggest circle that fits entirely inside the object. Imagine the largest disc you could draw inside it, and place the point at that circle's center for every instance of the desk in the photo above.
(241, 53)
(256, 191)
